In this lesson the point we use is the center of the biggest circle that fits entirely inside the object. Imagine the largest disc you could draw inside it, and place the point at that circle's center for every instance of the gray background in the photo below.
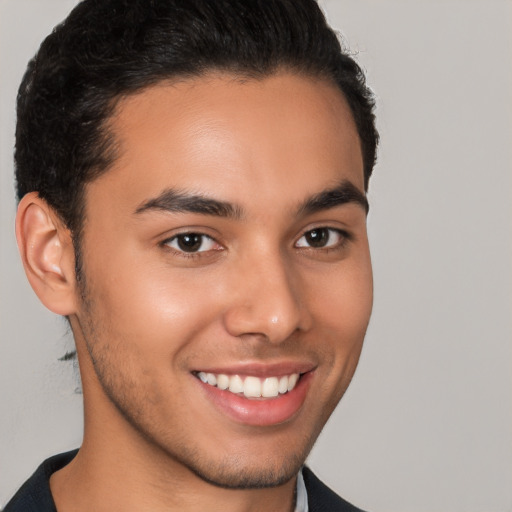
(427, 423)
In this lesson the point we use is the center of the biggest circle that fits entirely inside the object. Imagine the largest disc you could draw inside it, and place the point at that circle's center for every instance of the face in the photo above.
(227, 277)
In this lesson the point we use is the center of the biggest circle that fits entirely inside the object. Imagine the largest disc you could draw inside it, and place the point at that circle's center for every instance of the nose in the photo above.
(265, 301)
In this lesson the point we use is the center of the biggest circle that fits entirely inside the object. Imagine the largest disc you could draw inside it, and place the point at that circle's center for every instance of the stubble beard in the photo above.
(232, 472)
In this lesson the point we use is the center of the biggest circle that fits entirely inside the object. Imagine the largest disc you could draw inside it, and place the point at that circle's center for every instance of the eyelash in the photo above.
(189, 254)
(344, 236)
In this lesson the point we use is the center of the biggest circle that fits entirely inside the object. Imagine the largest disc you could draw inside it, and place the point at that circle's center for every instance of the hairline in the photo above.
(113, 146)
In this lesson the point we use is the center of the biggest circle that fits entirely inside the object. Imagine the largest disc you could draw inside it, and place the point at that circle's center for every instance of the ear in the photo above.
(46, 249)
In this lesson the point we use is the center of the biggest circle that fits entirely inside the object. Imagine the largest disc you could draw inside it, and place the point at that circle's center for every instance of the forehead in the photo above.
(230, 136)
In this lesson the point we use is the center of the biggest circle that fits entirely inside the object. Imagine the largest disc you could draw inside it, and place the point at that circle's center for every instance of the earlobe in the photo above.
(47, 253)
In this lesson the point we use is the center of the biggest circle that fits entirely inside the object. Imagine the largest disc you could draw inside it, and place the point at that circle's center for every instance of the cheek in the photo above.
(342, 312)
(344, 300)
(151, 310)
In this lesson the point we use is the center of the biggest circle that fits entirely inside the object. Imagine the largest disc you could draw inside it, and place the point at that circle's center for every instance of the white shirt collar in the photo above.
(301, 504)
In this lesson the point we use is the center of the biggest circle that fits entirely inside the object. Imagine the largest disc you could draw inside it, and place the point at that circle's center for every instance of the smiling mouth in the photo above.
(251, 386)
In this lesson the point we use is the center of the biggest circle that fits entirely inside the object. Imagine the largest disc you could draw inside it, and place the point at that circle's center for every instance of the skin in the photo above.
(148, 316)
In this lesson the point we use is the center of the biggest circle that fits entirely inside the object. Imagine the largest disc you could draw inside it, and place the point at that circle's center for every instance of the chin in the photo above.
(240, 467)
(234, 473)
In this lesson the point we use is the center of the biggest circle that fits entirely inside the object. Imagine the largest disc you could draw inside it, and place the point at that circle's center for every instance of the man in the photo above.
(192, 179)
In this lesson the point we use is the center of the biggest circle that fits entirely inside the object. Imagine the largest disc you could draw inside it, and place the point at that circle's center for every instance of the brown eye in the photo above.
(191, 242)
(317, 237)
(320, 238)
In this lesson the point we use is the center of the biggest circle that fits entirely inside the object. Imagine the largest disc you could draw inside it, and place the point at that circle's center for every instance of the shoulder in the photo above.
(35, 495)
(323, 499)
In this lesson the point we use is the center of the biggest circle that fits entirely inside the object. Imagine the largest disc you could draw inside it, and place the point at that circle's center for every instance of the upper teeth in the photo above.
(251, 387)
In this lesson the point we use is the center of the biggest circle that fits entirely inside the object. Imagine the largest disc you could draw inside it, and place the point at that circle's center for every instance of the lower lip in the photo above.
(259, 412)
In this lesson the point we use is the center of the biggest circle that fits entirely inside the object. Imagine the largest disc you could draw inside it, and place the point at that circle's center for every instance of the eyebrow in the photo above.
(171, 200)
(344, 193)
(176, 201)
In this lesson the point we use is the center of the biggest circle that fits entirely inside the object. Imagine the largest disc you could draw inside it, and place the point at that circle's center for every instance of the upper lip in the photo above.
(261, 369)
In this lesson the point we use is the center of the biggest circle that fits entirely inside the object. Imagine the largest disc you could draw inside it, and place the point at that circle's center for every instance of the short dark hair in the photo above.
(107, 49)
